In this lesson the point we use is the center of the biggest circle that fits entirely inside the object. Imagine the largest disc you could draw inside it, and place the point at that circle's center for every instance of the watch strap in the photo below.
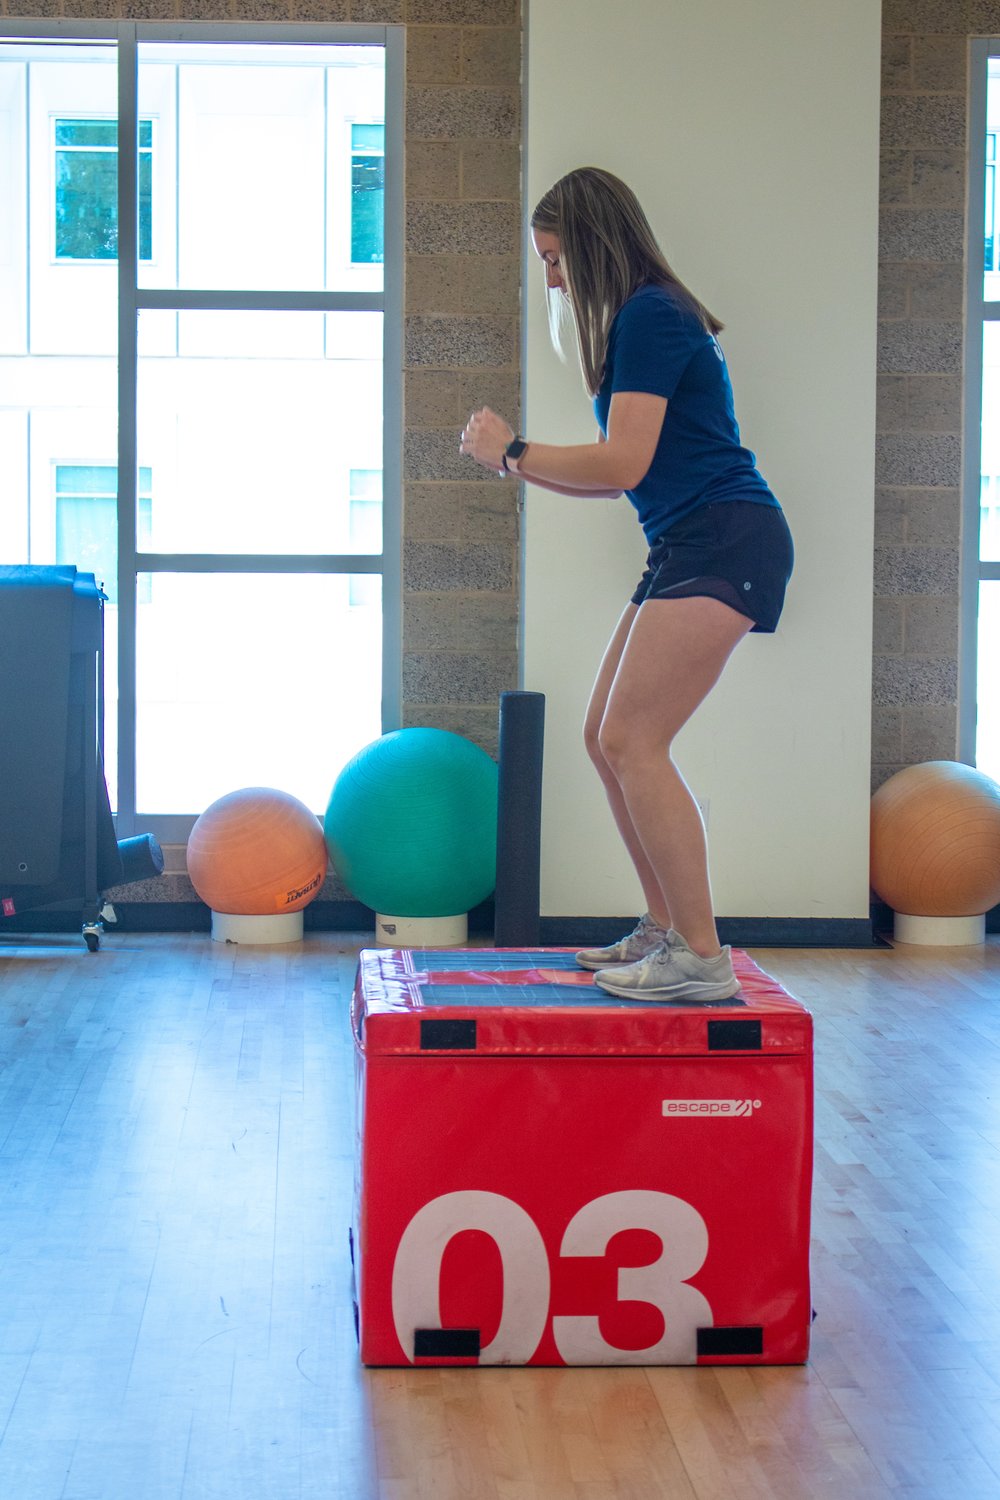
(513, 454)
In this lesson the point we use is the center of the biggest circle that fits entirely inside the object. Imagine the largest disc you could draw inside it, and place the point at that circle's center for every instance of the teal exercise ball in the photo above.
(411, 824)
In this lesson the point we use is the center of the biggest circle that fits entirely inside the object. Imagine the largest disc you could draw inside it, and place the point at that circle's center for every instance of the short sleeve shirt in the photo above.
(658, 345)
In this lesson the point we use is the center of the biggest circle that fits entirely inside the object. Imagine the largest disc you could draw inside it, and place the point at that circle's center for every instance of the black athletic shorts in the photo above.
(738, 551)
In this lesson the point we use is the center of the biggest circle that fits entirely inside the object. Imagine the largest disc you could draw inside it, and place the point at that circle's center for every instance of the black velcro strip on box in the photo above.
(734, 1036)
(446, 1343)
(447, 1036)
(734, 1341)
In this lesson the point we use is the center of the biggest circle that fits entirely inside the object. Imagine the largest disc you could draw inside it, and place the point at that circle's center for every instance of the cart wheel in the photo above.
(92, 939)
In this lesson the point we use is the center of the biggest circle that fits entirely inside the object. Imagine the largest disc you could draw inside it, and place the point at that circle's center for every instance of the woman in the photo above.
(720, 554)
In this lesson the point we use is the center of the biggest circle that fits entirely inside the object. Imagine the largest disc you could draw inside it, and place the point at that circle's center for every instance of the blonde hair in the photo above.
(607, 252)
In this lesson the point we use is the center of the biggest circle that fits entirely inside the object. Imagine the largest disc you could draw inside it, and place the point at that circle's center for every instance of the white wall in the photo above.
(750, 133)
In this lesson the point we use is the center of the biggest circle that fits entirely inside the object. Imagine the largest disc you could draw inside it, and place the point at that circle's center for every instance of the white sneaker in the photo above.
(673, 972)
(644, 938)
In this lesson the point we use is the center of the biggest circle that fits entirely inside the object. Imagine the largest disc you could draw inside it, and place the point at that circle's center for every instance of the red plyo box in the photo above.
(546, 1175)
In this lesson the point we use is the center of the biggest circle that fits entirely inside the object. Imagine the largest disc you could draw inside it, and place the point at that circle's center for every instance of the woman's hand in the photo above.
(485, 438)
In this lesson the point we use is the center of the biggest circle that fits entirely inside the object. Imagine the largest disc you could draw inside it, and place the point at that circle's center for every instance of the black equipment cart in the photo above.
(58, 849)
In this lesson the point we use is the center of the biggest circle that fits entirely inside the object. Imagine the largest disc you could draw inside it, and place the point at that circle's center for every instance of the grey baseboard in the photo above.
(554, 932)
(195, 916)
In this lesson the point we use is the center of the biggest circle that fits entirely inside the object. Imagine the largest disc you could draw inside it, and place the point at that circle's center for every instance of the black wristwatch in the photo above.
(513, 453)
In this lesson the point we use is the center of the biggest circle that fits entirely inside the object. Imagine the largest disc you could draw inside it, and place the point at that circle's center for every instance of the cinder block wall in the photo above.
(920, 354)
(462, 350)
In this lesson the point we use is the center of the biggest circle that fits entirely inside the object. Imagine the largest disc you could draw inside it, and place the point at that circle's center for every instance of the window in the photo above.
(86, 502)
(989, 235)
(201, 280)
(86, 189)
(980, 687)
(367, 192)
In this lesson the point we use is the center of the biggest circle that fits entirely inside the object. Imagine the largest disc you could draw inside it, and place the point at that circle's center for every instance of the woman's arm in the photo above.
(580, 494)
(635, 420)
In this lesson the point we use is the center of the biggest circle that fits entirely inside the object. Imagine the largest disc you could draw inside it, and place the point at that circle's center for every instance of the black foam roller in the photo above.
(142, 858)
(519, 820)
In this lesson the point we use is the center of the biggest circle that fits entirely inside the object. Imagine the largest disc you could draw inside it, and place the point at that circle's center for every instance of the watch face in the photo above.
(516, 448)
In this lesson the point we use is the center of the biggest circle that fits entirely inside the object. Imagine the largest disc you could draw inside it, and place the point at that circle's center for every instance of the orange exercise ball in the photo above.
(935, 840)
(257, 852)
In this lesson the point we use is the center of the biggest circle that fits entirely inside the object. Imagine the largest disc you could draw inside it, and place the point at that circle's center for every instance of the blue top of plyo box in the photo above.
(537, 1002)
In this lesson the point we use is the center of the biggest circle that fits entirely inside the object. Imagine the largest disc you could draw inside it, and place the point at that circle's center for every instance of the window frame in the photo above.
(973, 569)
(127, 36)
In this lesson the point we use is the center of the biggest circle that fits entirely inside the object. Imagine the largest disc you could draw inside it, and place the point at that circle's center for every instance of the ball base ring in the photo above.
(943, 932)
(279, 927)
(421, 932)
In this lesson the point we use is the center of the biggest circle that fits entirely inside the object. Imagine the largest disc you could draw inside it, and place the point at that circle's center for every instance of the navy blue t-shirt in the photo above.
(659, 345)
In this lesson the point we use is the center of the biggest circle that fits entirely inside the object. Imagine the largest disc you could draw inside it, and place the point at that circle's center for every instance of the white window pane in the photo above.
(366, 510)
(253, 430)
(989, 519)
(13, 196)
(255, 184)
(988, 709)
(73, 283)
(54, 447)
(253, 680)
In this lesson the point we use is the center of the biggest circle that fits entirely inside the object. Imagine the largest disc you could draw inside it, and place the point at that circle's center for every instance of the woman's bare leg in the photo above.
(656, 903)
(673, 654)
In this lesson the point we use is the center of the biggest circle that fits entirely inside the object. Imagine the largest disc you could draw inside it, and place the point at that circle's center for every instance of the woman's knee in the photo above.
(592, 745)
(622, 745)
(612, 743)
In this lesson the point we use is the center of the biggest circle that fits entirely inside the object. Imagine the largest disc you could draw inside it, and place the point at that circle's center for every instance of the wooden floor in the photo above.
(176, 1123)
